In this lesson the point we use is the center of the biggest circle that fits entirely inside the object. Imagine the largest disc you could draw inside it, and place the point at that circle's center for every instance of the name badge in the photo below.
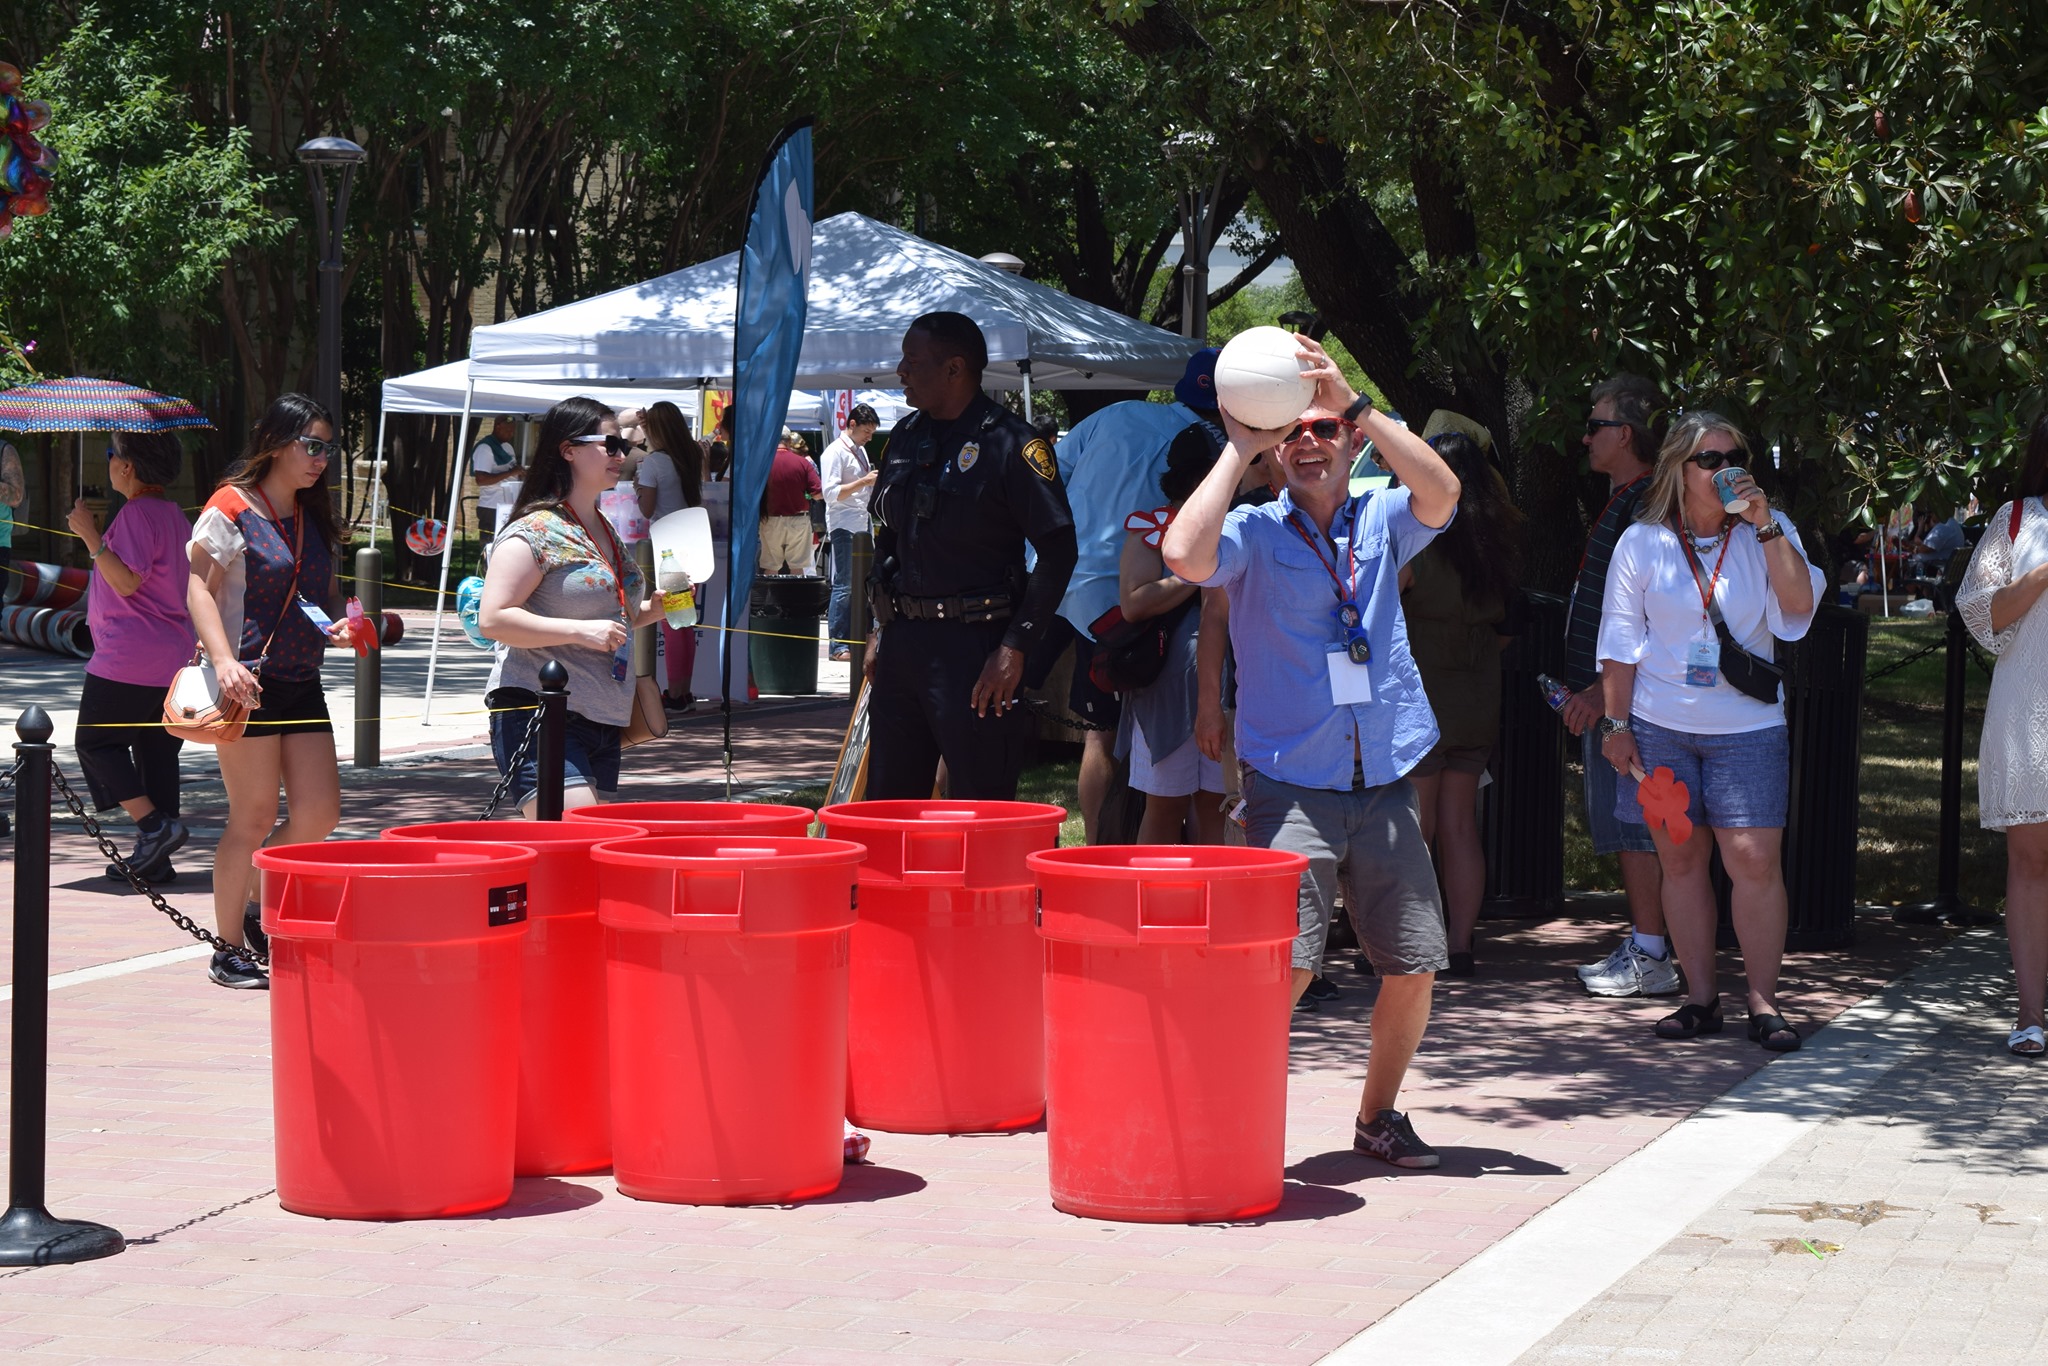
(1703, 662)
(1349, 683)
(315, 615)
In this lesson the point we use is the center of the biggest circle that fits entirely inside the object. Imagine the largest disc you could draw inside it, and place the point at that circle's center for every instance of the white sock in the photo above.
(1652, 944)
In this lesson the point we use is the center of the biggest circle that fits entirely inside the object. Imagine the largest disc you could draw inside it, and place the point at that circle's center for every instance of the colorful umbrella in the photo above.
(93, 405)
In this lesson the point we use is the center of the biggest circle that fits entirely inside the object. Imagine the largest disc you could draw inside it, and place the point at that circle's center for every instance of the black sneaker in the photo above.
(1391, 1138)
(156, 846)
(1307, 1005)
(1322, 988)
(231, 969)
(252, 929)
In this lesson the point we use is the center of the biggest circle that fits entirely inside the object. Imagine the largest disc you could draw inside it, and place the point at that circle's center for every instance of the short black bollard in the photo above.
(1948, 901)
(549, 754)
(29, 1234)
(858, 615)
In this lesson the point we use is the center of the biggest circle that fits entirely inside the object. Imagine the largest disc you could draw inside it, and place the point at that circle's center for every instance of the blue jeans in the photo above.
(838, 614)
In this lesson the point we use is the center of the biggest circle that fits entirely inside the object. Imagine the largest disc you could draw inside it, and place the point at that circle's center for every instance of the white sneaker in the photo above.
(1637, 974)
(1609, 965)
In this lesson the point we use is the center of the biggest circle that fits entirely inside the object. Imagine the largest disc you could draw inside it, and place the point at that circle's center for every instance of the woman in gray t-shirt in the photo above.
(561, 586)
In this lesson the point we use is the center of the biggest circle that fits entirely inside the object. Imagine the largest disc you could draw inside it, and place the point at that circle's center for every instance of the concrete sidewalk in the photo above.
(1880, 1197)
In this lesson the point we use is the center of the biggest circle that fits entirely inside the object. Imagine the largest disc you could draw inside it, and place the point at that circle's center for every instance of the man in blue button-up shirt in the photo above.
(1331, 714)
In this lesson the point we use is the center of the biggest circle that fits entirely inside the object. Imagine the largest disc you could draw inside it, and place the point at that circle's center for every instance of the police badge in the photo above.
(969, 453)
(1038, 455)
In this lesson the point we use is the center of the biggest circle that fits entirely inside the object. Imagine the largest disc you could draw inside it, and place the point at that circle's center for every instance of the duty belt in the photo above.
(971, 609)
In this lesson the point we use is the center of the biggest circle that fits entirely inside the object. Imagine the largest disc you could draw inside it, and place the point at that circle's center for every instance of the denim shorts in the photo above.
(1372, 838)
(590, 753)
(1737, 782)
(1612, 833)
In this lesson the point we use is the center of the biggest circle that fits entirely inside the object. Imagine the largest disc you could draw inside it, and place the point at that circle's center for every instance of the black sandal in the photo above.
(1774, 1034)
(1690, 1020)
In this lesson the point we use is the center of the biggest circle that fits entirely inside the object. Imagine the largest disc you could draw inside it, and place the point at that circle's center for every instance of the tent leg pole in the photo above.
(377, 473)
(447, 557)
(1024, 368)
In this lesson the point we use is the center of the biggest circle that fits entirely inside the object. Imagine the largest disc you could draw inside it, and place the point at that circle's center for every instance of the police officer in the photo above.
(964, 484)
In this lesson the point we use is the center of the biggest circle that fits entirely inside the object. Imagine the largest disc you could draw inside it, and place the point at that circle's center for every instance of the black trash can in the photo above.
(783, 612)
(1823, 712)
(1521, 818)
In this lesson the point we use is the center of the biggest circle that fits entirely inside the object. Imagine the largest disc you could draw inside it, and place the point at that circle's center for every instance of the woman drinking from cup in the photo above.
(1701, 588)
(572, 596)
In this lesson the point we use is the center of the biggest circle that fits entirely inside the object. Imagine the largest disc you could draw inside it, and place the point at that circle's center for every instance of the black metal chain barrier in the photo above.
(119, 861)
(1038, 706)
(1888, 670)
(504, 787)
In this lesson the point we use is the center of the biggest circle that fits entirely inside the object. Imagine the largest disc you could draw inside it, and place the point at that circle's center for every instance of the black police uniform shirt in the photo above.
(993, 486)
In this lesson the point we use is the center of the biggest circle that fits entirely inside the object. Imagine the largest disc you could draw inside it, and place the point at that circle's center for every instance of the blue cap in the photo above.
(1197, 387)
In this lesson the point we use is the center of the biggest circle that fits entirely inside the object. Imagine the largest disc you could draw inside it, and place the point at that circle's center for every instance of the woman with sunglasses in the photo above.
(266, 604)
(2001, 602)
(574, 596)
(1701, 588)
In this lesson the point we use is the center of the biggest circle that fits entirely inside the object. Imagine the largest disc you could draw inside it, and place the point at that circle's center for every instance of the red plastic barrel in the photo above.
(1167, 1005)
(702, 818)
(945, 1016)
(394, 1024)
(563, 1124)
(726, 977)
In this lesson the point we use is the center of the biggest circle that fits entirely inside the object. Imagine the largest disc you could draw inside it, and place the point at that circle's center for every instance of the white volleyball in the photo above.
(1259, 380)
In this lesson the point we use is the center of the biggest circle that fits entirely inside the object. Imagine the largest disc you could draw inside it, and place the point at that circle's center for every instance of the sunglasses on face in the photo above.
(1322, 429)
(1714, 460)
(318, 449)
(613, 445)
(1594, 424)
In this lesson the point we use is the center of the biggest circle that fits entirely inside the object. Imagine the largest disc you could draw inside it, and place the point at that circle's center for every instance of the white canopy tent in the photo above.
(868, 282)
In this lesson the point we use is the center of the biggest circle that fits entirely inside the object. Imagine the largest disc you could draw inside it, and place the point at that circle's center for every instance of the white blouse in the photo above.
(1652, 612)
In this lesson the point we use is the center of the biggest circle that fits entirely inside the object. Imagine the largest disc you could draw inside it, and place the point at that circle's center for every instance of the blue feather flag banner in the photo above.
(775, 267)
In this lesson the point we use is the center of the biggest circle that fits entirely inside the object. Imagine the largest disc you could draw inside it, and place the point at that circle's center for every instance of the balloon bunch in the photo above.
(25, 164)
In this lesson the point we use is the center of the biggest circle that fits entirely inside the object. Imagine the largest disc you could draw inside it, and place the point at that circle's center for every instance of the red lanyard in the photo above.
(1613, 498)
(618, 572)
(298, 525)
(1693, 563)
(1347, 587)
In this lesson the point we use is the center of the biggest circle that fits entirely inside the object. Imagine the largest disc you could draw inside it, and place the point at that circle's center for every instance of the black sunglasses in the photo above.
(1594, 424)
(613, 445)
(1322, 429)
(1714, 460)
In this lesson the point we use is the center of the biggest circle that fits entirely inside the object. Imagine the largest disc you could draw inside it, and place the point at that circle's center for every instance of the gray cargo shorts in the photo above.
(1372, 837)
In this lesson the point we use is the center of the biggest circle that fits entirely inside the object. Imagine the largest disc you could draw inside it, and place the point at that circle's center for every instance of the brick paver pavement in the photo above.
(1911, 1227)
(945, 1249)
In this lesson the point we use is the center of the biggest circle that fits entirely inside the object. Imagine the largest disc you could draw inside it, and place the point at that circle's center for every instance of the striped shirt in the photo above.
(1582, 619)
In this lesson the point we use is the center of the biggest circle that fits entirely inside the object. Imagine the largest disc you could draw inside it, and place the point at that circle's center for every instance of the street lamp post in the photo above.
(342, 156)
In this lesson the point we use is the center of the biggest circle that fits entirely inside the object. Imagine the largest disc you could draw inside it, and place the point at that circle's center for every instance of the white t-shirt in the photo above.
(845, 462)
(658, 472)
(493, 456)
(1652, 613)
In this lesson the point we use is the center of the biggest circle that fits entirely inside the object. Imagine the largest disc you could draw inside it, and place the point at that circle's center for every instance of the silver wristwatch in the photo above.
(1610, 725)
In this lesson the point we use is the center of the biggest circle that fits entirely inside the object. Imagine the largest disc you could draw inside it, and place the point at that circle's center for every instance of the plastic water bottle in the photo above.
(1554, 692)
(678, 595)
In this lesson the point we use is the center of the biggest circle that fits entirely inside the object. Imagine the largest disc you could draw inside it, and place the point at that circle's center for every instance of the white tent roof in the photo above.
(441, 390)
(868, 281)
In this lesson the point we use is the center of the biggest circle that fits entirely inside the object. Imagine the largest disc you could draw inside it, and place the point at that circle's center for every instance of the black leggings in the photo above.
(125, 761)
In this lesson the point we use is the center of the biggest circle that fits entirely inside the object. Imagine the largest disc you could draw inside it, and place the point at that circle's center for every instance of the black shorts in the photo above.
(290, 706)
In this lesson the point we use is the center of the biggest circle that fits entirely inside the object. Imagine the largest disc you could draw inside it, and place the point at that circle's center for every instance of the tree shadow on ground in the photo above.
(1522, 1044)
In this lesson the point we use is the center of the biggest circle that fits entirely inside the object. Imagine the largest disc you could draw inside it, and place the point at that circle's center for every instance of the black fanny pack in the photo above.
(1751, 675)
(1132, 654)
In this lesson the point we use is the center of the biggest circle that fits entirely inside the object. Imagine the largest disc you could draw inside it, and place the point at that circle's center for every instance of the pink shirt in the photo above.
(145, 638)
